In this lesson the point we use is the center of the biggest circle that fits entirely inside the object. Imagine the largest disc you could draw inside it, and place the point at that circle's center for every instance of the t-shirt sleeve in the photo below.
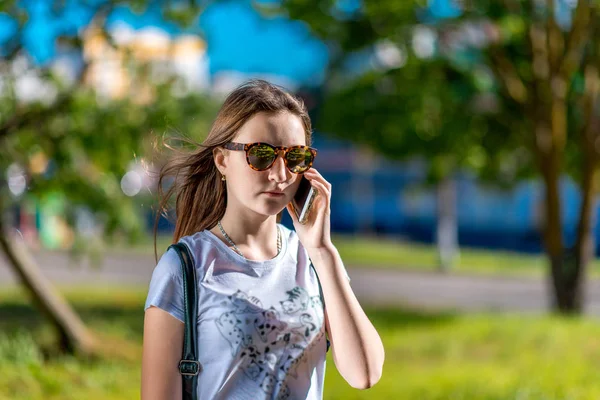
(166, 286)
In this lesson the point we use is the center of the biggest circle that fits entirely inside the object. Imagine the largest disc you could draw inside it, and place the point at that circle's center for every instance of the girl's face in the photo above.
(248, 187)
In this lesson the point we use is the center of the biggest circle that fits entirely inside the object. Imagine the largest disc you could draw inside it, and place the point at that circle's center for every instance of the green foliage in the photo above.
(90, 145)
(354, 31)
(19, 349)
(480, 357)
(86, 142)
(451, 108)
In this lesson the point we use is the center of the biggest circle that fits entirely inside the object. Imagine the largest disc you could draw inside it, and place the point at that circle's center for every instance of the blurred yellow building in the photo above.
(134, 59)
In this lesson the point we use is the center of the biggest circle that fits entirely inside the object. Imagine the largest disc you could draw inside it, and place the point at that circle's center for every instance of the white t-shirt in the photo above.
(261, 333)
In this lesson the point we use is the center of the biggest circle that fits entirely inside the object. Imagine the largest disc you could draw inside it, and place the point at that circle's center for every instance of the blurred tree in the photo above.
(401, 102)
(67, 137)
(506, 88)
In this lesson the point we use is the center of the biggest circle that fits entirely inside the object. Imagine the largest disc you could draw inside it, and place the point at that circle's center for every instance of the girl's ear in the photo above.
(220, 159)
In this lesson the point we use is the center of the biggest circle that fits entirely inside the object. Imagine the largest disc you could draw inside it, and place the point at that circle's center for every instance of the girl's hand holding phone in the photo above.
(315, 232)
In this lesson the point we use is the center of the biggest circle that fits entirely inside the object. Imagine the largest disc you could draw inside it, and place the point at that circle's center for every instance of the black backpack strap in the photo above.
(189, 366)
(321, 296)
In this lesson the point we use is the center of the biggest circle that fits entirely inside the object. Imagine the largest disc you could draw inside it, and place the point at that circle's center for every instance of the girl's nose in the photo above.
(278, 170)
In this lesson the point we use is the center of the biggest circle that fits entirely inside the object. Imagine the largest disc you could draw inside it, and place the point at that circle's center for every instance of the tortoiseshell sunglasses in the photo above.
(261, 156)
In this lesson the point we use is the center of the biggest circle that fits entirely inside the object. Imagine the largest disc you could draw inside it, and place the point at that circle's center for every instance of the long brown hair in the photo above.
(200, 193)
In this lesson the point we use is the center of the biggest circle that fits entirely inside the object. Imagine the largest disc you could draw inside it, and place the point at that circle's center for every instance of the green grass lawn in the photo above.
(372, 252)
(429, 356)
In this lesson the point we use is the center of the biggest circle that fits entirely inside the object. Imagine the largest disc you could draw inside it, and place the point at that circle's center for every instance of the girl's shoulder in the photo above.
(199, 244)
(170, 264)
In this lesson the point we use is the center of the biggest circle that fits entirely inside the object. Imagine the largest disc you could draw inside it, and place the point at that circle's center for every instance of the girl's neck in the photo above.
(255, 237)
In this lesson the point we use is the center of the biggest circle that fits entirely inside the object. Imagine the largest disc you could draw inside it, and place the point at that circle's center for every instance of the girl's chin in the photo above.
(270, 210)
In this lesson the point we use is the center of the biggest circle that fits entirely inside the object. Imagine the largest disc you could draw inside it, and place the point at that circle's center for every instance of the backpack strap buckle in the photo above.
(189, 367)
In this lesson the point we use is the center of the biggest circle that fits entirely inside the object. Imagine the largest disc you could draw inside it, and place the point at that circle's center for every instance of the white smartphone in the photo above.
(303, 200)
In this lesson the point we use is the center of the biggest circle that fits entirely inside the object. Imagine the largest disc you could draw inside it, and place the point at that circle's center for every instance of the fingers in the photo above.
(323, 190)
(313, 175)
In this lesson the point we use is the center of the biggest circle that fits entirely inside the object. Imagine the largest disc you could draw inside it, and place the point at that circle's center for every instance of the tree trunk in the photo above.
(550, 135)
(563, 264)
(569, 293)
(570, 297)
(568, 264)
(74, 338)
(447, 229)
(554, 62)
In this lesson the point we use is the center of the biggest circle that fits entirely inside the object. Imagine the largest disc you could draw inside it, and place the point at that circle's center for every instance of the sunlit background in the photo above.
(461, 139)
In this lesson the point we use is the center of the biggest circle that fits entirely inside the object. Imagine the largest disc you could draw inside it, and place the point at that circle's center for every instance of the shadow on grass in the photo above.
(15, 316)
(128, 320)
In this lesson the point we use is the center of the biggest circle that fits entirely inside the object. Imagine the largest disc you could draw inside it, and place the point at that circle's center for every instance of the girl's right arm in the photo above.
(162, 349)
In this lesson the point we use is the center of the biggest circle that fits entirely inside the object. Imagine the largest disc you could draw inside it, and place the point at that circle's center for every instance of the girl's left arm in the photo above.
(361, 353)
(356, 346)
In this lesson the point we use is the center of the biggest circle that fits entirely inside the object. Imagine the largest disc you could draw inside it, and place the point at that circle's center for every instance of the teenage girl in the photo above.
(265, 314)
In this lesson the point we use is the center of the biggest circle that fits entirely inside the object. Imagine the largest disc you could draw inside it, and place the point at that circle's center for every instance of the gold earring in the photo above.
(223, 178)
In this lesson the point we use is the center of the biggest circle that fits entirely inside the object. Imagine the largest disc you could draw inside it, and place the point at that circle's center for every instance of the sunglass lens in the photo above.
(299, 160)
(261, 156)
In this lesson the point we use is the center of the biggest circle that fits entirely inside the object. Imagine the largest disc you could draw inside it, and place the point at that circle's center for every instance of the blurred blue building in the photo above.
(374, 195)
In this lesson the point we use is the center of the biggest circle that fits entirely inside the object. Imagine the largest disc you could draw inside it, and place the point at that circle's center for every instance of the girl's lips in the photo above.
(273, 194)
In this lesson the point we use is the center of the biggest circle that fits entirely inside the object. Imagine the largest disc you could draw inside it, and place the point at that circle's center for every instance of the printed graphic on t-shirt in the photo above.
(255, 334)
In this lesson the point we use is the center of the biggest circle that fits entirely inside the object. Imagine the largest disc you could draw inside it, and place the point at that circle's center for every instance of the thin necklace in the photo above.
(238, 250)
